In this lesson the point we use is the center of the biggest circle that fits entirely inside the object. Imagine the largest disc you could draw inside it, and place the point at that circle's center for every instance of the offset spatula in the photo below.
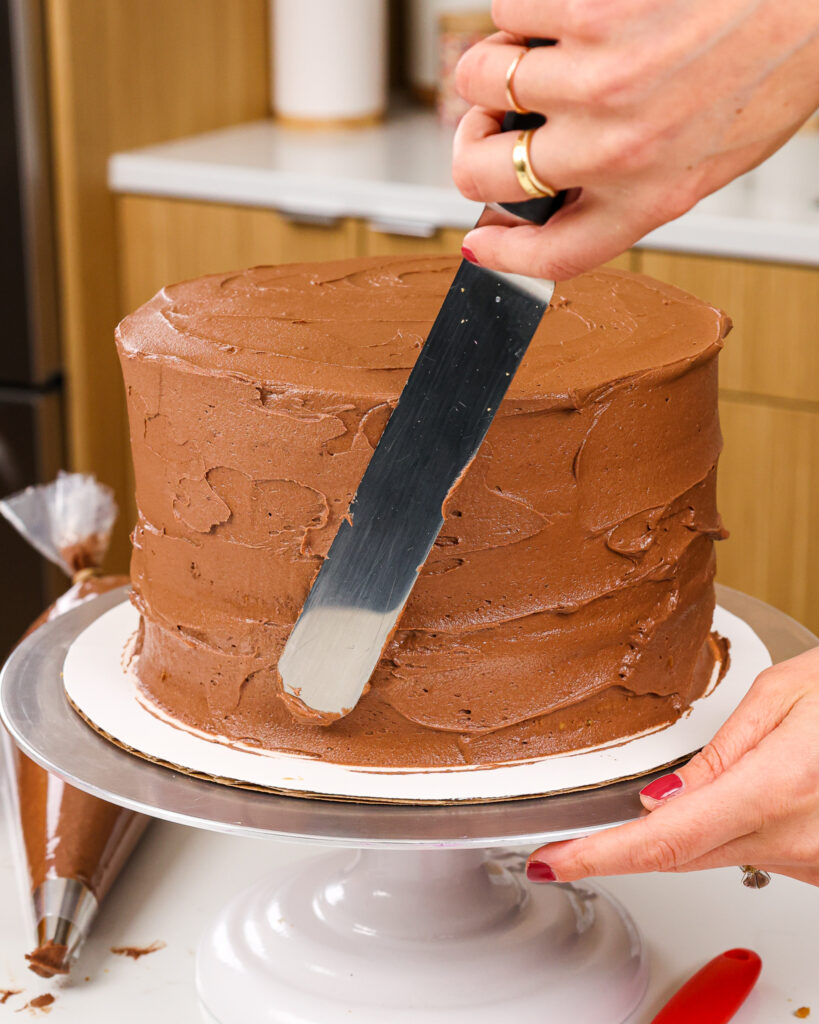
(453, 392)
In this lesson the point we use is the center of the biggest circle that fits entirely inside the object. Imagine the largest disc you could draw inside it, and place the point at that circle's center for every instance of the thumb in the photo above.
(761, 710)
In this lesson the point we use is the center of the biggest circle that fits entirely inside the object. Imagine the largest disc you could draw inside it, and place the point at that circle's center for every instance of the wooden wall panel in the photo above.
(166, 240)
(126, 73)
(768, 496)
(774, 346)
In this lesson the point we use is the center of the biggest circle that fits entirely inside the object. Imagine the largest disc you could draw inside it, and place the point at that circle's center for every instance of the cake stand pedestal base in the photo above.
(442, 936)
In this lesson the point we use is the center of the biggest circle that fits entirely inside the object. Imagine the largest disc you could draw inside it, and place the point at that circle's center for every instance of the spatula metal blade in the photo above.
(453, 392)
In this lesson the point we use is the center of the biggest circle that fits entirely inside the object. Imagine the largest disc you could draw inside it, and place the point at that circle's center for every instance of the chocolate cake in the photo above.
(568, 599)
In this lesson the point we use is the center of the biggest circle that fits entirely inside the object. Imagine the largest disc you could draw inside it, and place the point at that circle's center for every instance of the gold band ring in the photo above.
(531, 184)
(511, 100)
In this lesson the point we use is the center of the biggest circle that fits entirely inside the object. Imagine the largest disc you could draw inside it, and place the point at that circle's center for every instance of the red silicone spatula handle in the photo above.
(715, 993)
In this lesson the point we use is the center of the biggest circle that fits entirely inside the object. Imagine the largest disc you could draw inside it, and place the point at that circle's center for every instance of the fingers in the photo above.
(740, 852)
(810, 875)
(563, 154)
(768, 798)
(744, 850)
(540, 19)
(678, 833)
(581, 236)
(482, 158)
(764, 707)
(545, 79)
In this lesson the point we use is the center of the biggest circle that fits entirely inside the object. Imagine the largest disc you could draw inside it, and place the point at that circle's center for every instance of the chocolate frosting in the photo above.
(135, 952)
(48, 960)
(568, 598)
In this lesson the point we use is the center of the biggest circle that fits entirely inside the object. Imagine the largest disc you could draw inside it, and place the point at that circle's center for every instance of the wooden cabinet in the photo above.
(768, 493)
(127, 73)
(769, 471)
(769, 409)
(773, 349)
(167, 240)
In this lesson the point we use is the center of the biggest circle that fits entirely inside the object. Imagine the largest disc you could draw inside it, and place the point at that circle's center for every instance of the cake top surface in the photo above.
(356, 326)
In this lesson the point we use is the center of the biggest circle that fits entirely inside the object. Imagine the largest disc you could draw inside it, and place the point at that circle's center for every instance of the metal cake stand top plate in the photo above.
(42, 722)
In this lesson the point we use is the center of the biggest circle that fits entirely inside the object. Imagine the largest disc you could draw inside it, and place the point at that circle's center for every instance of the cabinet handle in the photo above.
(410, 228)
(319, 220)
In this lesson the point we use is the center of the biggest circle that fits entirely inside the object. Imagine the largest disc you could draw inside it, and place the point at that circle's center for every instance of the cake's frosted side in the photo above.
(568, 599)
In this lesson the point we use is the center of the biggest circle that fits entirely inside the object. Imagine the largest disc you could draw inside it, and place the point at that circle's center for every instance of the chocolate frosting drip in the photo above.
(568, 598)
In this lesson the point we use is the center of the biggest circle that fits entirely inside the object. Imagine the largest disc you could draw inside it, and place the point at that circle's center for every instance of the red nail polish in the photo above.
(537, 871)
(663, 787)
(469, 255)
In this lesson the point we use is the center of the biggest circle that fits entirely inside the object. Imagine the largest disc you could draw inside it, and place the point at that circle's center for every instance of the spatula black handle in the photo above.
(538, 211)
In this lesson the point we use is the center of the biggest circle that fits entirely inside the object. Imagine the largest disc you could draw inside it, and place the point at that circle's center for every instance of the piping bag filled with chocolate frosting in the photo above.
(75, 844)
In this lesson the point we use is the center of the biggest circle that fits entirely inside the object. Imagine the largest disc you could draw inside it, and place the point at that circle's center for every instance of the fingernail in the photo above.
(537, 871)
(469, 255)
(665, 786)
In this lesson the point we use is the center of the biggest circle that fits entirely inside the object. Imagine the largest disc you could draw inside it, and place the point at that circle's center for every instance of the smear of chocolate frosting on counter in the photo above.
(136, 952)
(568, 598)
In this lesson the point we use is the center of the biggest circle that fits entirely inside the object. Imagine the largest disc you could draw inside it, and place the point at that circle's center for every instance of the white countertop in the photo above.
(398, 177)
(179, 878)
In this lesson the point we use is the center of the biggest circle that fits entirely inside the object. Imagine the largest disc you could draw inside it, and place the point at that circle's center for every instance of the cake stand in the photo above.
(419, 913)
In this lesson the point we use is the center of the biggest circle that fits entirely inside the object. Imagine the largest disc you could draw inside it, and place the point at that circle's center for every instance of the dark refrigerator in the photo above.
(31, 431)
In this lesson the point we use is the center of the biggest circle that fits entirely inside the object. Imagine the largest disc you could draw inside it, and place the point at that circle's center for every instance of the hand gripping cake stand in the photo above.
(421, 914)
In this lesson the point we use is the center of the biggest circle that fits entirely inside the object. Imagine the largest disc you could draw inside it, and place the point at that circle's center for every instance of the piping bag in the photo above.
(75, 844)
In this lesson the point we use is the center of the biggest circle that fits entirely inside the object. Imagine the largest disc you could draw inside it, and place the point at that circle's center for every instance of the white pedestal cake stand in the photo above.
(419, 915)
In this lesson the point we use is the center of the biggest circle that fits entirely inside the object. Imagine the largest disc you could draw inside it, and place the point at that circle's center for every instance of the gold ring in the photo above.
(531, 184)
(511, 101)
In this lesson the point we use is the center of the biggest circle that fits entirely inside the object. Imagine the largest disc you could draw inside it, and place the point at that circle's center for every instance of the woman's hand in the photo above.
(651, 105)
(750, 797)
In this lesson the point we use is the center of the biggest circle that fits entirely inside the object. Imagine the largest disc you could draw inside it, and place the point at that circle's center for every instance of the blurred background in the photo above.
(147, 141)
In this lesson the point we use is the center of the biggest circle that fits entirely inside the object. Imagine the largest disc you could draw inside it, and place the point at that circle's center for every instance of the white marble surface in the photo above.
(398, 177)
(179, 878)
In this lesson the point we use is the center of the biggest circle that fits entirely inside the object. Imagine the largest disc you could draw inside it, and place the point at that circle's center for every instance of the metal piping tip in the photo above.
(64, 909)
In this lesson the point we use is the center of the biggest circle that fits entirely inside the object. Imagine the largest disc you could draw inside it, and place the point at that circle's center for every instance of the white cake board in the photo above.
(105, 694)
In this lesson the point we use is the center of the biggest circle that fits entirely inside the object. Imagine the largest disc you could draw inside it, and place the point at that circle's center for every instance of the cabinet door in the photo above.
(167, 240)
(774, 346)
(769, 409)
(768, 494)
